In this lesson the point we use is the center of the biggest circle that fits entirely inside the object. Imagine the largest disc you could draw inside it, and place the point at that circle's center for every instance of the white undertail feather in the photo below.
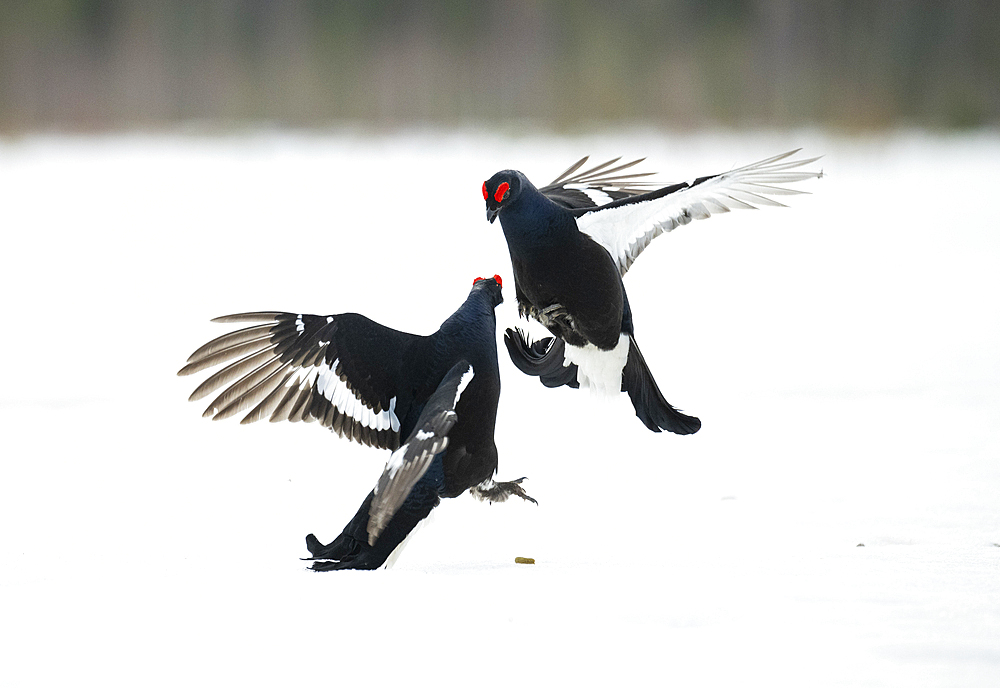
(598, 370)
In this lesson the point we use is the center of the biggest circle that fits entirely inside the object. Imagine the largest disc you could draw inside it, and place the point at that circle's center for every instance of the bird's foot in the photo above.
(490, 491)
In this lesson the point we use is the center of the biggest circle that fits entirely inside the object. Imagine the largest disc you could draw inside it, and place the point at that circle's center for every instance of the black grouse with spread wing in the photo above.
(571, 242)
(432, 400)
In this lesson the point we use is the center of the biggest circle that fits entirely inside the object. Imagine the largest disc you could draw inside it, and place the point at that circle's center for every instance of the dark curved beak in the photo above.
(492, 214)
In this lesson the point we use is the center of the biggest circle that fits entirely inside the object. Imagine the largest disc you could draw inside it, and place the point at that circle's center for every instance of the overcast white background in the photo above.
(843, 355)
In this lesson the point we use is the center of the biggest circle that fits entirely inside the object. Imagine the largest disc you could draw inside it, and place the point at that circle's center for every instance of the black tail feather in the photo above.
(543, 359)
(650, 406)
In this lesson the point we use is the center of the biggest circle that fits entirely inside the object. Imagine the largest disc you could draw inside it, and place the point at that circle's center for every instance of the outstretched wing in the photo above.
(339, 370)
(596, 186)
(625, 227)
(410, 462)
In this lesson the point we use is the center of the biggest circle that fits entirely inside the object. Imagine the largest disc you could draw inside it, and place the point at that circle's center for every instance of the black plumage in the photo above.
(431, 399)
(572, 241)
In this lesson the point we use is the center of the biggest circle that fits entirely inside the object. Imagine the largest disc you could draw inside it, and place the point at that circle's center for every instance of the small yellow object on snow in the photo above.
(523, 560)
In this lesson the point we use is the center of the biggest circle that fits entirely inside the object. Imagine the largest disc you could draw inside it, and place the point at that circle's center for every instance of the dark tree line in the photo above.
(95, 64)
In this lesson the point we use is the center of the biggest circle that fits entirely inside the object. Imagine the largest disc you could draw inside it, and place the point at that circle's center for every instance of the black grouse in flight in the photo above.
(432, 400)
(572, 241)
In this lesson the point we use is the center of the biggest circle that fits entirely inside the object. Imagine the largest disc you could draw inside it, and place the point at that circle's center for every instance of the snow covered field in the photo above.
(843, 354)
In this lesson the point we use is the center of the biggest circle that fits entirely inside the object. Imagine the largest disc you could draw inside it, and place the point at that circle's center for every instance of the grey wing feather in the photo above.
(574, 189)
(291, 368)
(626, 226)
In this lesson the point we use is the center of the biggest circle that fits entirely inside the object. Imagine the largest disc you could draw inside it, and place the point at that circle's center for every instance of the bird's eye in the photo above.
(501, 190)
(486, 196)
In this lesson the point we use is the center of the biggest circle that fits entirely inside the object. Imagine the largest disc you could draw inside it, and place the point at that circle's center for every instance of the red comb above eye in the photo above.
(496, 278)
(486, 196)
(501, 190)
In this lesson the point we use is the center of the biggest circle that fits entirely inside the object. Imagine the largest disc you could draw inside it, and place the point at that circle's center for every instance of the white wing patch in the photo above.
(395, 462)
(596, 195)
(626, 230)
(329, 384)
(463, 383)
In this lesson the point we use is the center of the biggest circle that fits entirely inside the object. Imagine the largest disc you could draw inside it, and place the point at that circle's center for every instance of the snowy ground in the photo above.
(843, 355)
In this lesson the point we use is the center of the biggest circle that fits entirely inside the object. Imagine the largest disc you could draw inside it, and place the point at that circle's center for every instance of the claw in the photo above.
(514, 487)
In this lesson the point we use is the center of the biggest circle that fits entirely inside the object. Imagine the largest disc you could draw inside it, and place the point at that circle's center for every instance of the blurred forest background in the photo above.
(95, 65)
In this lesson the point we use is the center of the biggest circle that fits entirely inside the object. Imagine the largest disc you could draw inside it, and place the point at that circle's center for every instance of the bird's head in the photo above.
(492, 286)
(500, 190)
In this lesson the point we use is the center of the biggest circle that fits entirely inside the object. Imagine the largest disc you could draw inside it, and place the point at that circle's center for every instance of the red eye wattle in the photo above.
(501, 190)
(496, 278)
(486, 196)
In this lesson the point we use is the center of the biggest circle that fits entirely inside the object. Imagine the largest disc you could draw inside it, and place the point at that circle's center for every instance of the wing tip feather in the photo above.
(254, 316)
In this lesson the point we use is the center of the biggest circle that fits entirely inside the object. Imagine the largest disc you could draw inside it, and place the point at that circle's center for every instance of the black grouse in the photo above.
(432, 400)
(572, 241)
